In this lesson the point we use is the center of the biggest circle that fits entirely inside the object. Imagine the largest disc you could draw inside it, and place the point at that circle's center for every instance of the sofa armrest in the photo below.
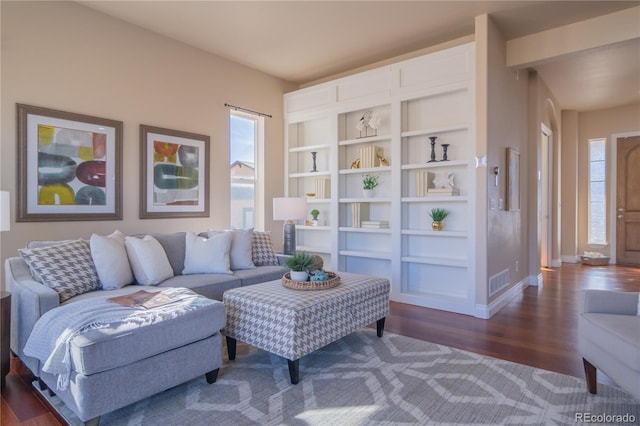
(29, 301)
(610, 302)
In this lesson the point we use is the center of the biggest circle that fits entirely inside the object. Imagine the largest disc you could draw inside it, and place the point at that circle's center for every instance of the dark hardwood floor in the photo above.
(539, 329)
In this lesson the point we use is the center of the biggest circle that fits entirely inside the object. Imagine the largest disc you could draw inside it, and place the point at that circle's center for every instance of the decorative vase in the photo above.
(437, 225)
(368, 193)
(298, 275)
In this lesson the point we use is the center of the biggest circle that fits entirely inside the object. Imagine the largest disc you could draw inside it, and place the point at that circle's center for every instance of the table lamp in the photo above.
(289, 210)
(4, 211)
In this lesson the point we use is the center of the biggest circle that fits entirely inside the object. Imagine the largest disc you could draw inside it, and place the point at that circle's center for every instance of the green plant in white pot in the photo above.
(300, 263)
(369, 183)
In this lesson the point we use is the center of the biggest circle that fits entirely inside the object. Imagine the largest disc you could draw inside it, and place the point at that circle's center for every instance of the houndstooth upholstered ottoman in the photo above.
(293, 323)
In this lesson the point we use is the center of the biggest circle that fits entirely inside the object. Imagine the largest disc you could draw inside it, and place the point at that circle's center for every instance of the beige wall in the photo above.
(569, 177)
(506, 118)
(592, 125)
(65, 56)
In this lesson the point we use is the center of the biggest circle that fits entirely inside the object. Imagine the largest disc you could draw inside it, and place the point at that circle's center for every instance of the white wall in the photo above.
(65, 56)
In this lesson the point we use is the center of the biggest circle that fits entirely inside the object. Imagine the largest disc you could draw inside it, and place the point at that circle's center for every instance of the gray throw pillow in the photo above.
(66, 268)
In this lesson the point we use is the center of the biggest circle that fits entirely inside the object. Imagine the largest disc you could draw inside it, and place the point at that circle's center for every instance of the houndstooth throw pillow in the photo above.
(66, 268)
(262, 249)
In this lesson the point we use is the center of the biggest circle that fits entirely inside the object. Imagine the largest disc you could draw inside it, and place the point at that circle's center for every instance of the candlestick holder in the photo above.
(433, 149)
(444, 151)
(313, 156)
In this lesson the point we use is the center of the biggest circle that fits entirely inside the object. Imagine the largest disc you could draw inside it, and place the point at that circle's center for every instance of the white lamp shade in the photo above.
(289, 208)
(5, 218)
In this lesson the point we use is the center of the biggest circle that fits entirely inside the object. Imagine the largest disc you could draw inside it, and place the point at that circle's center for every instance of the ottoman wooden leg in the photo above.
(380, 326)
(591, 374)
(231, 347)
(294, 371)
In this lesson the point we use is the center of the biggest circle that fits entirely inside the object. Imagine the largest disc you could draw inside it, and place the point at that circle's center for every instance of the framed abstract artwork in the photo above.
(512, 197)
(174, 173)
(69, 166)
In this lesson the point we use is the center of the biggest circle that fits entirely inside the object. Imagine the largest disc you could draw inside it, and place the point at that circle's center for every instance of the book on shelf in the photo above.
(359, 212)
(323, 188)
(423, 181)
(374, 224)
(369, 156)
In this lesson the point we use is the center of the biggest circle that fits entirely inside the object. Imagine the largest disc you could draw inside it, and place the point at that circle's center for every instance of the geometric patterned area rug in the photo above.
(364, 380)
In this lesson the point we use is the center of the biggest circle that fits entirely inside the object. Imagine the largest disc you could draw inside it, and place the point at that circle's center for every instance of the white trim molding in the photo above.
(487, 311)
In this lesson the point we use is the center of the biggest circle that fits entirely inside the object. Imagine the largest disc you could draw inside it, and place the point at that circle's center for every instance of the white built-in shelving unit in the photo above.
(424, 97)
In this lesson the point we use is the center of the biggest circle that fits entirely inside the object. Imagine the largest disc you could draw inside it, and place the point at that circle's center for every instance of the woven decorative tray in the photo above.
(333, 281)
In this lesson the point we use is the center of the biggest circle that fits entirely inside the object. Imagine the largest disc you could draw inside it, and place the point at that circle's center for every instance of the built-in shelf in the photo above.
(443, 261)
(431, 233)
(310, 148)
(367, 254)
(365, 170)
(314, 228)
(312, 249)
(310, 174)
(437, 164)
(365, 230)
(439, 199)
(367, 139)
(434, 131)
(366, 200)
(318, 200)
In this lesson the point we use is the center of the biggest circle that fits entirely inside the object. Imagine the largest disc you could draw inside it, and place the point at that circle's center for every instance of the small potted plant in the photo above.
(300, 263)
(438, 215)
(315, 213)
(369, 183)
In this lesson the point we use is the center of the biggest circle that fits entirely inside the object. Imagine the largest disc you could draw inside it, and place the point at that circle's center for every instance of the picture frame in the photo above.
(69, 166)
(174, 173)
(512, 197)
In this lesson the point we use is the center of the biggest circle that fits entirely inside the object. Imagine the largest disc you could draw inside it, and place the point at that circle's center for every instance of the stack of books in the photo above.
(423, 180)
(369, 156)
(375, 223)
(359, 213)
(323, 188)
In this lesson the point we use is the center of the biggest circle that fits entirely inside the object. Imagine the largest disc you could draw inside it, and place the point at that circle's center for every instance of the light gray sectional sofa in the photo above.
(191, 345)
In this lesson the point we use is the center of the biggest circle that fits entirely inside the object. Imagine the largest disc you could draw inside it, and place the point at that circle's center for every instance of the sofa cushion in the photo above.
(67, 268)
(148, 260)
(260, 274)
(112, 347)
(207, 255)
(208, 285)
(262, 249)
(174, 247)
(110, 258)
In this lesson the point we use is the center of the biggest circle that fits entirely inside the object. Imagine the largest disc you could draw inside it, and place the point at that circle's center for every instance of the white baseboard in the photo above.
(487, 311)
(570, 259)
(556, 263)
(535, 280)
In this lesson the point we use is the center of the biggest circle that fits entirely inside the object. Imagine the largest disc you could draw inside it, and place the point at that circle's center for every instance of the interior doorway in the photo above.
(627, 202)
(546, 197)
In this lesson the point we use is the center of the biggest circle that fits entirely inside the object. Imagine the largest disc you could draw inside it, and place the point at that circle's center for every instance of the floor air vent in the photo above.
(498, 282)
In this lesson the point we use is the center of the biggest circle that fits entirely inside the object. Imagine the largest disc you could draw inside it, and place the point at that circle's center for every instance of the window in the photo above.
(597, 192)
(243, 144)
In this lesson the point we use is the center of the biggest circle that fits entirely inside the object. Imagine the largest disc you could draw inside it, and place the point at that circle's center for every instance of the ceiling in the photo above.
(304, 41)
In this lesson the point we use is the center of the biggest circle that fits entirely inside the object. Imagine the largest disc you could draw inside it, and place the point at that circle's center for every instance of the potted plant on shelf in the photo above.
(369, 183)
(300, 263)
(314, 214)
(438, 215)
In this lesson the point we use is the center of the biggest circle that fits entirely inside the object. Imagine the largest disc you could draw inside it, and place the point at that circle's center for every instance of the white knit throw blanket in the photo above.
(52, 336)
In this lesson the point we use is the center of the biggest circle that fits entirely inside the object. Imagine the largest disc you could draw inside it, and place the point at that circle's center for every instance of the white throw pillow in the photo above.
(207, 255)
(110, 257)
(148, 260)
(240, 255)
